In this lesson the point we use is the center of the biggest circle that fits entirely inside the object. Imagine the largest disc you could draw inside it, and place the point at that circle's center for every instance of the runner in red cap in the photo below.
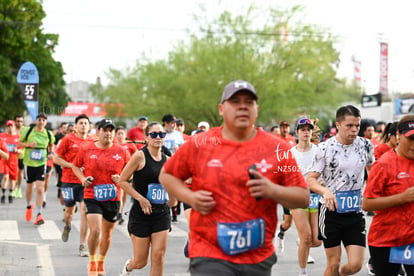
(390, 193)
(11, 166)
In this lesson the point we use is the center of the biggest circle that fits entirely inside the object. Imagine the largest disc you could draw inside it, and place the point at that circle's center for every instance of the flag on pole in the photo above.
(28, 81)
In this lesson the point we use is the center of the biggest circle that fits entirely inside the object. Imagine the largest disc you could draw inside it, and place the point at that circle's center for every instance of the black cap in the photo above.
(304, 122)
(406, 129)
(41, 115)
(104, 123)
(168, 118)
(179, 122)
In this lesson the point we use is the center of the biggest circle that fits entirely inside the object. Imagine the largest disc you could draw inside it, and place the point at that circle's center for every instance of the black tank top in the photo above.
(147, 175)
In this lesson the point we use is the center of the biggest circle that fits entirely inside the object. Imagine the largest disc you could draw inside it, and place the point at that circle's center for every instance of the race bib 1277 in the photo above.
(105, 192)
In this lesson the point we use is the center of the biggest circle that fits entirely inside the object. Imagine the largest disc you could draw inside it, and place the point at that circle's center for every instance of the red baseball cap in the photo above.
(10, 123)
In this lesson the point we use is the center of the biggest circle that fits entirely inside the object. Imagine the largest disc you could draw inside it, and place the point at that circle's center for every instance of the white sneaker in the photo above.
(310, 260)
(303, 274)
(401, 272)
(280, 245)
(83, 251)
(124, 271)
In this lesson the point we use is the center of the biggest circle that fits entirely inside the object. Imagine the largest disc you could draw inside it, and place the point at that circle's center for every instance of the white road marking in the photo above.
(49, 230)
(45, 261)
(9, 230)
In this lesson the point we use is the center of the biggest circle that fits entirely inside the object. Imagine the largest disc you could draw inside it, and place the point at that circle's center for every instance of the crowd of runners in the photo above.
(229, 180)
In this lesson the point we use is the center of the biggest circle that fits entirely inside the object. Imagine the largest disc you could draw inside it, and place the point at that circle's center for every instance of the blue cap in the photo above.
(143, 118)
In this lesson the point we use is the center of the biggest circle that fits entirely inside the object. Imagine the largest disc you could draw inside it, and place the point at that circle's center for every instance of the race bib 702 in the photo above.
(348, 201)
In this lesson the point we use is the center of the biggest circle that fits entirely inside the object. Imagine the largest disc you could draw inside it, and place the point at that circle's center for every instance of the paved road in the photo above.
(26, 249)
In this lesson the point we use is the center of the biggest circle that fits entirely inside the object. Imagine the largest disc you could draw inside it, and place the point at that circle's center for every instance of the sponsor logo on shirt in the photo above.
(403, 175)
(214, 163)
(93, 156)
(263, 166)
(75, 146)
(116, 157)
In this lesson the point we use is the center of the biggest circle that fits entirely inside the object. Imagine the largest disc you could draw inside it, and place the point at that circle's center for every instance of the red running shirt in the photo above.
(130, 147)
(101, 164)
(391, 175)
(11, 166)
(380, 150)
(135, 134)
(3, 147)
(221, 167)
(68, 149)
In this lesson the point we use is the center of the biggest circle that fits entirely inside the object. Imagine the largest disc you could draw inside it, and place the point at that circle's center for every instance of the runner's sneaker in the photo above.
(29, 214)
(303, 274)
(100, 269)
(310, 260)
(10, 199)
(280, 244)
(13, 194)
(370, 269)
(120, 219)
(92, 269)
(19, 193)
(186, 249)
(83, 251)
(124, 271)
(3, 199)
(65, 234)
(39, 220)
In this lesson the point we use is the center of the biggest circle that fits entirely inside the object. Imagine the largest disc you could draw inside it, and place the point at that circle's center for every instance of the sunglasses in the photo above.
(305, 121)
(154, 134)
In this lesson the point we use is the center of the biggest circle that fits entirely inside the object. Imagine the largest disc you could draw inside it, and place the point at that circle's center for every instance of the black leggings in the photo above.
(380, 262)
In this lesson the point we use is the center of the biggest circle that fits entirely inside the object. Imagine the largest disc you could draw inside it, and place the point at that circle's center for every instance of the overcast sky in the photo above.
(98, 34)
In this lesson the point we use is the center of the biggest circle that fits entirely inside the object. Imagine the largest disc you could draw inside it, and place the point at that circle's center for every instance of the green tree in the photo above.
(22, 39)
(293, 74)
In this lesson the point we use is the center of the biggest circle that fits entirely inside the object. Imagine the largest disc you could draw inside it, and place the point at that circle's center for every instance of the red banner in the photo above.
(91, 109)
(357, 71)
(384, 68)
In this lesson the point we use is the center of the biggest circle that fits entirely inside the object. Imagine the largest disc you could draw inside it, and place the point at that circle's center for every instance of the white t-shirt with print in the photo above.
(342, 166)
